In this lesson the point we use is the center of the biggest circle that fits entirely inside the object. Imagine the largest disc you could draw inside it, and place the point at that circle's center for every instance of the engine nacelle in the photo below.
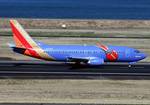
(96, 61)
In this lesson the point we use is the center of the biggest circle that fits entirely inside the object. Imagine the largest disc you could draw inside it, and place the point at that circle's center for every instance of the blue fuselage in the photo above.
(62, 52)
(88, 54)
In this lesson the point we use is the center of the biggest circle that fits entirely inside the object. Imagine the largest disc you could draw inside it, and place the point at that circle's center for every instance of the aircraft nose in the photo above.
(143, 55)
(140, 56)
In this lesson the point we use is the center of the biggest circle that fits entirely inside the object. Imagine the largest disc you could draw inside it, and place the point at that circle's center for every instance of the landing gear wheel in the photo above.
(129, 66)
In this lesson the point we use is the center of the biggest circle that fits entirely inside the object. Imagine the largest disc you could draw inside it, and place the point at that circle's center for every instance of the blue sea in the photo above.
(76, 9)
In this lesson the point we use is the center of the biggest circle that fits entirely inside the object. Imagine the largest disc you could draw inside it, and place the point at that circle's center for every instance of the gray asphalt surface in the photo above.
(54, 104)
(35, 69)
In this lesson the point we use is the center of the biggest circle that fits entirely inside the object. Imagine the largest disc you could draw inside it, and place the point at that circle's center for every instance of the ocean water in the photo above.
(76, 9)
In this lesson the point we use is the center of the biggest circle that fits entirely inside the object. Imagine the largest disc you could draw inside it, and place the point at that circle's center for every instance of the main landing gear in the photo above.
(130, 64)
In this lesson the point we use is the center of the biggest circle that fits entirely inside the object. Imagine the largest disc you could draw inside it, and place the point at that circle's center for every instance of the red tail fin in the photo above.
(21, 37)
(23, 40)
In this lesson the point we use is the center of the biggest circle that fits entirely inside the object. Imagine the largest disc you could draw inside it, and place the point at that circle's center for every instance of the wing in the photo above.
(78, 59)
(88, 60)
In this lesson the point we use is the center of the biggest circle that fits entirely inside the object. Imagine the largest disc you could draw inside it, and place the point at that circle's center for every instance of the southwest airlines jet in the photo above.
(85, 54)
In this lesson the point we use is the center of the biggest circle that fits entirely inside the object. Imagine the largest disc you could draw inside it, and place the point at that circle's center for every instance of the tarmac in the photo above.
(42, 82)
(61, 70)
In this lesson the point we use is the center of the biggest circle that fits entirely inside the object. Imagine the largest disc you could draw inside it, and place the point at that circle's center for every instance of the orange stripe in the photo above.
(17, 42)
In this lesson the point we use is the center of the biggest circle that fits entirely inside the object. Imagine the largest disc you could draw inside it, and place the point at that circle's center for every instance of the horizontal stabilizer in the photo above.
(11, 45)
(17, 49)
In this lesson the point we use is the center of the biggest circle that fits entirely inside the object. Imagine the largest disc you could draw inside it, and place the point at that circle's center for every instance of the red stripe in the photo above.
(17, 41)
(111, 56)
(105, 48)
(23, 40)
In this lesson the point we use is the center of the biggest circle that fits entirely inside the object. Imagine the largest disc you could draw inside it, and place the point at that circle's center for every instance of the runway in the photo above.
(59, 70)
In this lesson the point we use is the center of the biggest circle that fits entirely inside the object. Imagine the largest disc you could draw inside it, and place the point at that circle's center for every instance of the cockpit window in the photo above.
(136, 51)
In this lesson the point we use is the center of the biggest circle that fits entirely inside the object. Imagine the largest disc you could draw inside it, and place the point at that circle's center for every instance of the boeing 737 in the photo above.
(86, 54)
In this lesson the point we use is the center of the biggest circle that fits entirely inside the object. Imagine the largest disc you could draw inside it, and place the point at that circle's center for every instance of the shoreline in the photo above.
(73, 19)
(77, 23)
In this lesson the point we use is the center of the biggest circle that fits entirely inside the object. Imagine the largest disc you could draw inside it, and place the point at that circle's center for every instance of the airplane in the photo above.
(78, 54)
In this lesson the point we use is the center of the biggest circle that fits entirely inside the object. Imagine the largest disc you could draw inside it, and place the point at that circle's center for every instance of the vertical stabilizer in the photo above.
(20, 36)
(23, 40)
